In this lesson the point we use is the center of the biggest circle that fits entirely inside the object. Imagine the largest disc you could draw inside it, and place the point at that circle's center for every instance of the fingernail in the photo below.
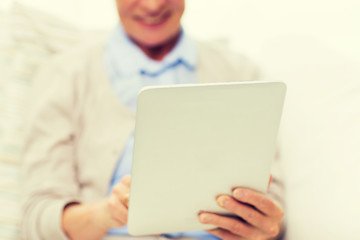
(205, 218)
(223, 201)
(238, 193)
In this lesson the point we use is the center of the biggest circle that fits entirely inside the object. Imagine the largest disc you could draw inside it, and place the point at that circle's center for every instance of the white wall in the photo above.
(248, 25)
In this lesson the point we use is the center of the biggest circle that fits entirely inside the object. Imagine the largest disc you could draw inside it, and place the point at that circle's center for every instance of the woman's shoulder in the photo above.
(217, 54)
(71, 75)
(77, 58)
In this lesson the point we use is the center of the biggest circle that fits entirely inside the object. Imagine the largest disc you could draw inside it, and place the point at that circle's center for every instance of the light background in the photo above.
(249, 26)
(313, 45)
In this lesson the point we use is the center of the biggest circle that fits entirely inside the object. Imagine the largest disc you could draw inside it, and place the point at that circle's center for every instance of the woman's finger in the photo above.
(249, 214)
(117, 210)
(259, 200)
(233, 225)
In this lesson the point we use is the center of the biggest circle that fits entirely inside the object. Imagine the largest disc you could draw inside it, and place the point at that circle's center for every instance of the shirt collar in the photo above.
(129, 59)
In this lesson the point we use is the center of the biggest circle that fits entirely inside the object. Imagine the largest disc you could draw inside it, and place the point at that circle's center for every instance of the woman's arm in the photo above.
(91, 221)
(49, 178)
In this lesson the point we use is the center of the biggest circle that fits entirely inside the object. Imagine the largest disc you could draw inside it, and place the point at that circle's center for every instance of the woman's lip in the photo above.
(153, 21)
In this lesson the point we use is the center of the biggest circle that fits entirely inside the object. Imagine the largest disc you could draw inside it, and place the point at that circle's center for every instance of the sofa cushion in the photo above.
(28, 38)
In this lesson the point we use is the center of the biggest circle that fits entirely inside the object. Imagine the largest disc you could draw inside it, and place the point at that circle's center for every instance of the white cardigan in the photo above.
(77, 129)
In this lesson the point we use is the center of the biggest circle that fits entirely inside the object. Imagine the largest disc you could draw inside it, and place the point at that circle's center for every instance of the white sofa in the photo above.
(27, 39)
(319, 137)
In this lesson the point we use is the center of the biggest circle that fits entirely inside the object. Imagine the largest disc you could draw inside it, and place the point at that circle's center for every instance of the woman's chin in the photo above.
(152, 41)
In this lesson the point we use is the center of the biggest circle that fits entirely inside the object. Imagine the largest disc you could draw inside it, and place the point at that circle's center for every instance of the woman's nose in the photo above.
(153, 5)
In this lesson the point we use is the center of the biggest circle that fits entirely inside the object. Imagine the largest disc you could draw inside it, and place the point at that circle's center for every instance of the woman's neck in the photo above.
(158, 52)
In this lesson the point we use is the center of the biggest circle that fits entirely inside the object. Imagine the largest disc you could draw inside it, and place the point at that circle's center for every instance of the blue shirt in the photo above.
(129, 70)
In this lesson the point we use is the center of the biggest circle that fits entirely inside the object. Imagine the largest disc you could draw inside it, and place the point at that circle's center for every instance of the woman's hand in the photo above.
(258, 217)
(118, 201)
(91, 221)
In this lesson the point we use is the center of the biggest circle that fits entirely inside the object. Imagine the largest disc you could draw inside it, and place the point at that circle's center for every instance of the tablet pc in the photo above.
(194, 142)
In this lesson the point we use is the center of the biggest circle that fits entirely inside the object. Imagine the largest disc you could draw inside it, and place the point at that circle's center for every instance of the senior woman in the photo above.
(79, 146)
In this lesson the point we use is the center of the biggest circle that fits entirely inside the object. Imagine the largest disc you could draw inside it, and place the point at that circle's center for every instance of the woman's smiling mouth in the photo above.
(152, 21)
